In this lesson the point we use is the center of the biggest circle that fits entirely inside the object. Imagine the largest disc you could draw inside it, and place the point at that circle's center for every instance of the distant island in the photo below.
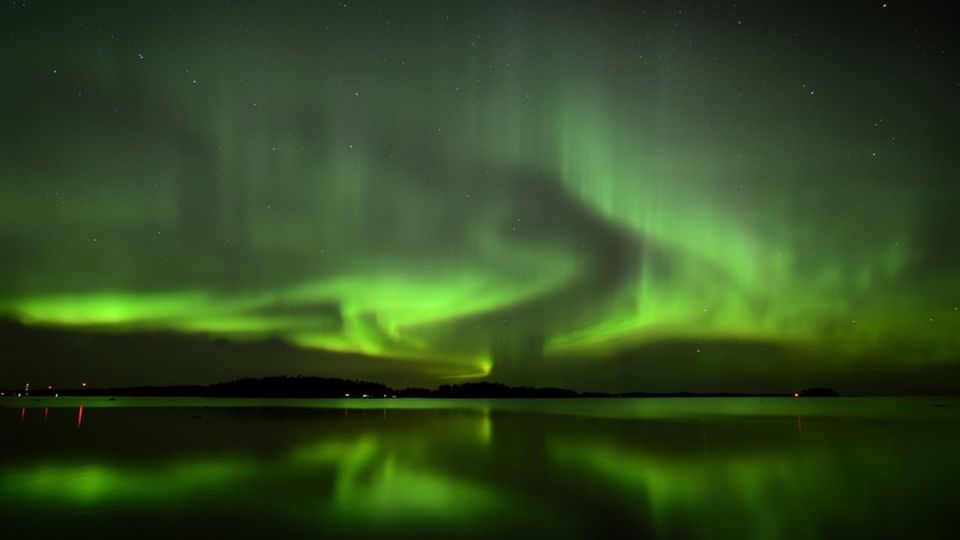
(324, 387)
(819, 392)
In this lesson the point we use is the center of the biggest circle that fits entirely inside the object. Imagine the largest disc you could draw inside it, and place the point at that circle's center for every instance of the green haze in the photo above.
(535, 192)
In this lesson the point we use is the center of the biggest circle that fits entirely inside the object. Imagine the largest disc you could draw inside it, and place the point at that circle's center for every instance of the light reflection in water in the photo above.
(482, 472)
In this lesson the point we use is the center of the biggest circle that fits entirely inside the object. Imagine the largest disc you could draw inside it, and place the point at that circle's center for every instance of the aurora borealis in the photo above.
(597, 195)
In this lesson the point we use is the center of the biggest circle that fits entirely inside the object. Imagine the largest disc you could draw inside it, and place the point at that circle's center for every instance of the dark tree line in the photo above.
(324, 387)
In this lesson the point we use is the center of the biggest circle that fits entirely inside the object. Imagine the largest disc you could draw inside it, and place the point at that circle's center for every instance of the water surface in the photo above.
(640, 468)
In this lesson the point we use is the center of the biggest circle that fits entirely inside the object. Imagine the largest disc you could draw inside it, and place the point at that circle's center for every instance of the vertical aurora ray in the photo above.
(468, 186)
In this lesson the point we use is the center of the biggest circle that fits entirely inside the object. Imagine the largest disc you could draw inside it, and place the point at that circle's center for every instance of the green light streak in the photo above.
(436, 194)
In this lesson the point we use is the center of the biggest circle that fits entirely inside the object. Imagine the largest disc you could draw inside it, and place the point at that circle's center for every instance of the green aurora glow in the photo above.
(529, 192)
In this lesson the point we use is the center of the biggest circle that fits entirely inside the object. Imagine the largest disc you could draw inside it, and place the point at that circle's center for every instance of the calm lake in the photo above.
(763, 468)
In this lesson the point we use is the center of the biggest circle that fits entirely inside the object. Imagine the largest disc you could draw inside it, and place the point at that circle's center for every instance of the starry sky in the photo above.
(676, 195)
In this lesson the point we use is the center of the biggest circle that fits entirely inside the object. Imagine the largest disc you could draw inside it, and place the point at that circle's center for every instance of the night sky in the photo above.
(735, 196)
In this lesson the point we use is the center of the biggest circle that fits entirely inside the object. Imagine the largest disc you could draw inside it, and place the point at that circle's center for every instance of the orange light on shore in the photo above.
(83, 385)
